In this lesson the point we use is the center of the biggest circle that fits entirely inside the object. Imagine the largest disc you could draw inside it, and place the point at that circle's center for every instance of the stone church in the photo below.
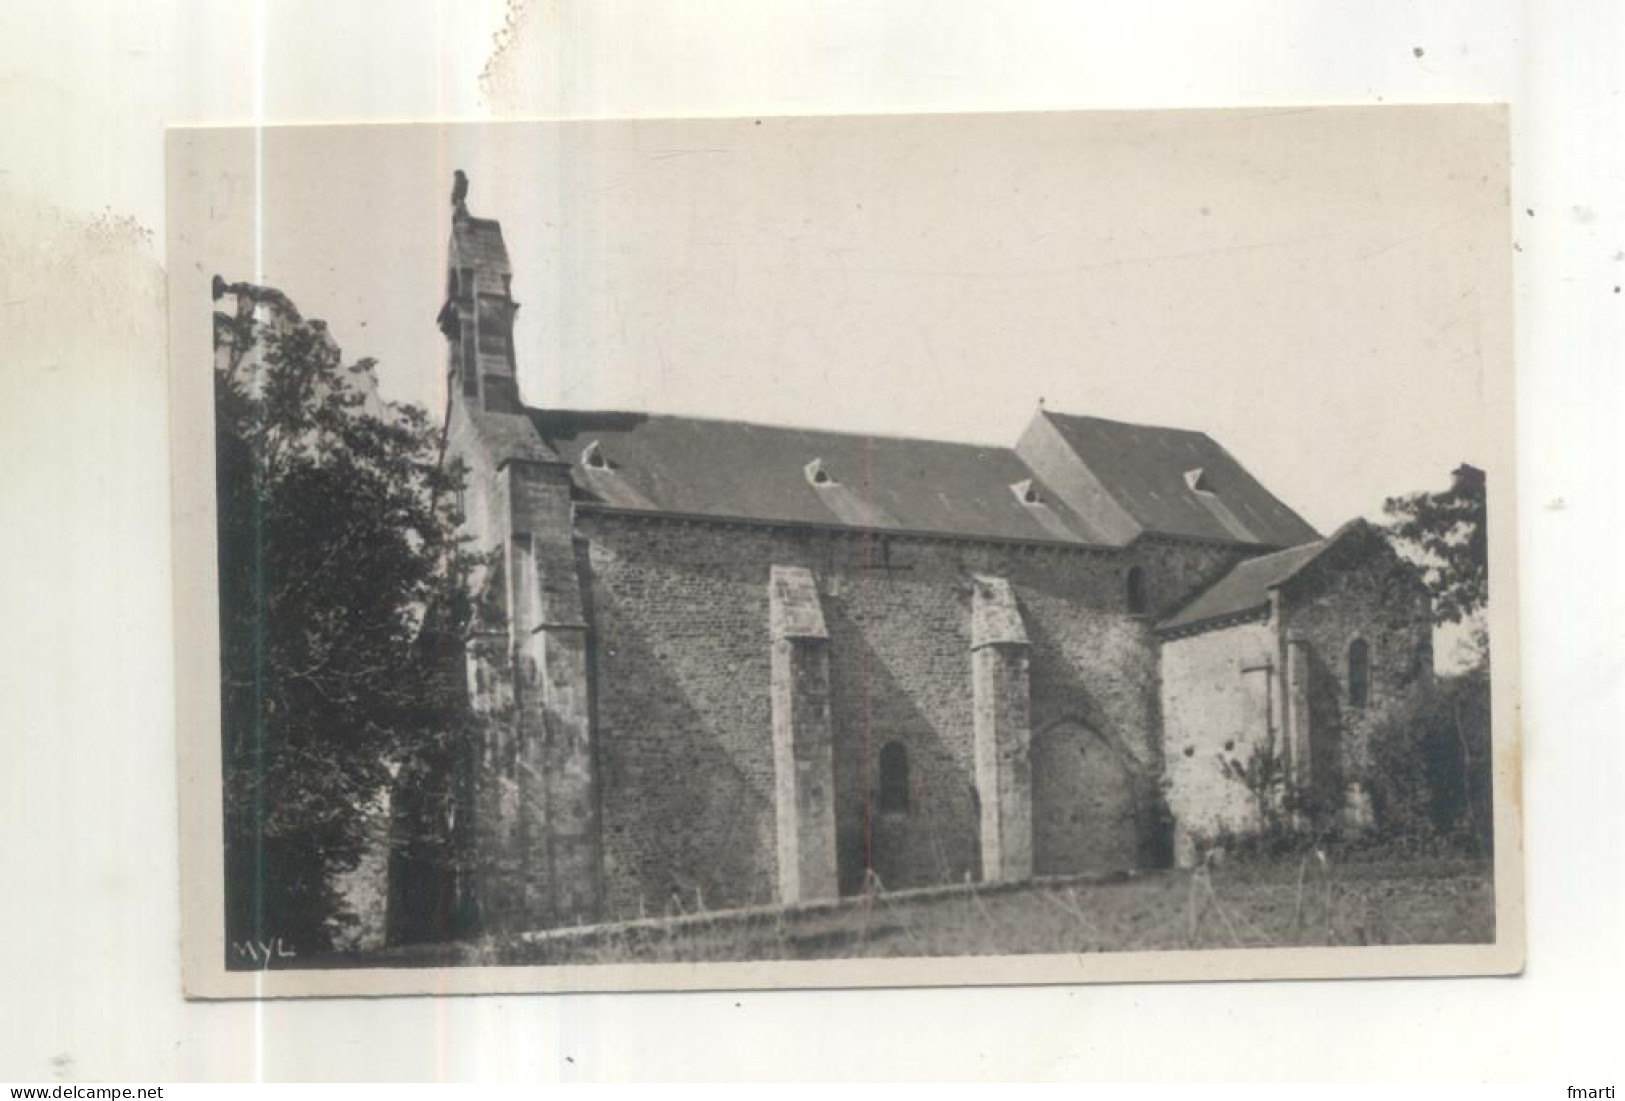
(733, 664)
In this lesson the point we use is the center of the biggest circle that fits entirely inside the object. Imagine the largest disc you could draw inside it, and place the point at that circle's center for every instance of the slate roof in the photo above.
(723, 468)
(1148, 471)
(735, 469)
(1246, 588)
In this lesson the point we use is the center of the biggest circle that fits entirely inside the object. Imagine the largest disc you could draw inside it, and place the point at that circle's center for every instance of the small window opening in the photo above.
(1027, 492)
(1197, 479)
(1359, 673)
(894, 777)
(1138, 602)
(470, 364)
(493, 324)
(593, 456)
(817, 475)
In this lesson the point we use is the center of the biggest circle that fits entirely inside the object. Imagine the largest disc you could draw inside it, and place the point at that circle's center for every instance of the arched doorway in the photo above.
(1084, 803)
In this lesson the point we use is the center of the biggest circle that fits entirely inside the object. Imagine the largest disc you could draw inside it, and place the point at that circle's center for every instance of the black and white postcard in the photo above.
(844, 551)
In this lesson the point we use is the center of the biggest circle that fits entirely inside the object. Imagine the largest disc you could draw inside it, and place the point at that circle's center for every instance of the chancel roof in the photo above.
(1172, 481)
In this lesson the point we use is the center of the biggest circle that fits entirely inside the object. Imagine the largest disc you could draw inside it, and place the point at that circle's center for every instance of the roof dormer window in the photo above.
(817, 475)
(1197, 479)
(592, 457)
(1027, 492)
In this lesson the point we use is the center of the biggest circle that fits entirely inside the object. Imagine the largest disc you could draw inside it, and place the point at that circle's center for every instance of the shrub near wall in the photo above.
(1430, 766)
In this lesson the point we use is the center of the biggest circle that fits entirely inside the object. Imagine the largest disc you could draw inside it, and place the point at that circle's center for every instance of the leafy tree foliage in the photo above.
(337, 539)
(1431, 754)
(1430, 776)
(1448, 533)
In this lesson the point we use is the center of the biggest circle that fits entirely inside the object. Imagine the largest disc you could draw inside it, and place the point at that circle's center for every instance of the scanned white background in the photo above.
(88, 935)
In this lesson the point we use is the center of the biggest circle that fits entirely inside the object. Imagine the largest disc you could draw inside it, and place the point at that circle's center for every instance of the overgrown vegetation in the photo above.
(1430, 766)
(339, 565)
(1288, 819)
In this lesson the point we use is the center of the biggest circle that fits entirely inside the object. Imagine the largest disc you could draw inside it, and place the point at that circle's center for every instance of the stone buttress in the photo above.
(803, 743)
(1002, 703)
(539, 855)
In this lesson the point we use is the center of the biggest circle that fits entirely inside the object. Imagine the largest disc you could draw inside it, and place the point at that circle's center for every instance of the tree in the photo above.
(337, 538)
(1448, 534)
(1431, 774)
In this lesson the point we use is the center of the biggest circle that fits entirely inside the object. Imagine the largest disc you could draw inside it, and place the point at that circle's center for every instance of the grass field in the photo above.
(1290, 902)
(1287, 903)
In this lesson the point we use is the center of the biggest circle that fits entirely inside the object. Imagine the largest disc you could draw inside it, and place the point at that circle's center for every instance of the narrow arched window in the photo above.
(894, 777)
(1359, 673)
(1137, 601)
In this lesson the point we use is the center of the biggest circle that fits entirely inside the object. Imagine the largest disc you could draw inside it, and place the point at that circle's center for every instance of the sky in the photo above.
(1324, 291)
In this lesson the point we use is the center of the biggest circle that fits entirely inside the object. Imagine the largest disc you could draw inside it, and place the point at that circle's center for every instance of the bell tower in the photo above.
(538, 851)
(477, 317)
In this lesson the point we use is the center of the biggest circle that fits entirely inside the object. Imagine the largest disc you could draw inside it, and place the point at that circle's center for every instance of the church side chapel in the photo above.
(732, 664)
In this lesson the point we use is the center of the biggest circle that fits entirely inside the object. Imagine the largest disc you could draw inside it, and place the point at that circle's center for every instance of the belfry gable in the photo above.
(477, 316)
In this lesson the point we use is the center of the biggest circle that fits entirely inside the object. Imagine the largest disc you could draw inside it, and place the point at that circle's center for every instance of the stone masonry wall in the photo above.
(681, 664)
(1368, 593)
(480, 508)
(1220, 701)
